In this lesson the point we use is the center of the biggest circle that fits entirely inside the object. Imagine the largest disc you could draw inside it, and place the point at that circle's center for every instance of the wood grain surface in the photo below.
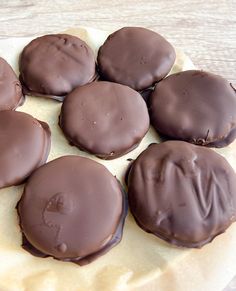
(204, 29)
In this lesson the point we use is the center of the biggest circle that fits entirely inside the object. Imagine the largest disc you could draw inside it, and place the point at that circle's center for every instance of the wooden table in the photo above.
(205, 30)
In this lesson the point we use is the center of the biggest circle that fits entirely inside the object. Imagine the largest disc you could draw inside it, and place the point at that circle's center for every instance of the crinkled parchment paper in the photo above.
(141, 260)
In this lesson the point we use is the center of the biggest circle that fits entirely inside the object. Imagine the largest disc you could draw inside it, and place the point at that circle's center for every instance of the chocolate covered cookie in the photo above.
(10, 88)
(72, 209)
(195, 106)
(53, 65)
(24, 146)
(182, 193)
(136, 57)
(104, 118)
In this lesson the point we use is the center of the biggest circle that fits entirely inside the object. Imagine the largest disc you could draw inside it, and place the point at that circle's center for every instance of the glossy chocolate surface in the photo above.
(72, 209)
(24, 146)
(10, 88)
(182, 193)
(136, 57)
(104, 118)
(53, 65)
(195, 106)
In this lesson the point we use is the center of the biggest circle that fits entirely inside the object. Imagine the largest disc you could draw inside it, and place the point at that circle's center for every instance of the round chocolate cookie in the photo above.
(104, 118)
(53, 65)
(136, 57)
(182, 193)
(195, 106)
(24, 146)
(72, 209)
(10, 88)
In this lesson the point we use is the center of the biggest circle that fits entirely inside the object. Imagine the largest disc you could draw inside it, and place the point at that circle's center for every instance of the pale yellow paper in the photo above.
(141, 260)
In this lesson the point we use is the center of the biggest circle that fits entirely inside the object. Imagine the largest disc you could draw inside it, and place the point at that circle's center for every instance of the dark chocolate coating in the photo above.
(72, 209)
(53, 65)
(136, 57)
(10, 88)
(146, 94)
(104, 118)
(195, 106)
(182, 193)
(24, 146)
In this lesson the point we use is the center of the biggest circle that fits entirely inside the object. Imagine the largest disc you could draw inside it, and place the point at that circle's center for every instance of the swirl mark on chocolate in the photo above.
(78, 207)
(183, 193)
(58, 205)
